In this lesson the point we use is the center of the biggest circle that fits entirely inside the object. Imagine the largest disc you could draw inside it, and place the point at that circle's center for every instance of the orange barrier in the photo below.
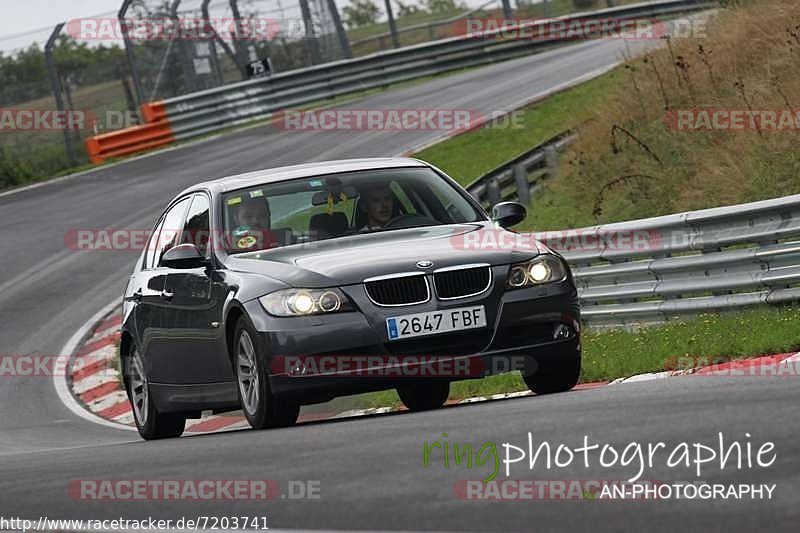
(128, 141)
(153, 111)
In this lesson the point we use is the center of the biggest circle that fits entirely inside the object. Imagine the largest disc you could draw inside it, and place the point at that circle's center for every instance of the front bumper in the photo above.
(519, 336)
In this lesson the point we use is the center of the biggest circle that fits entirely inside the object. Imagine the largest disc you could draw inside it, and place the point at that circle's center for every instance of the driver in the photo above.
(253, 222)
(255, 214)
(379, 206)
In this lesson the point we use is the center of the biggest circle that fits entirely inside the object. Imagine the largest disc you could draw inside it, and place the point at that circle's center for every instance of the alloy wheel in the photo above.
(247, 373)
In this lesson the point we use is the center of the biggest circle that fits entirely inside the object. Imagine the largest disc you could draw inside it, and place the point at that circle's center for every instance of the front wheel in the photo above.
(554, 378)
(424, 396)
(149, 422)
(260, 407)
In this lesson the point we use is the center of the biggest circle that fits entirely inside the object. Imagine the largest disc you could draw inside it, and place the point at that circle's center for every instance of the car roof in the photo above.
(306, 170)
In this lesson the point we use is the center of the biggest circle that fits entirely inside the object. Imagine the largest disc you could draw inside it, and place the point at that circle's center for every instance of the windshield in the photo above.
(337, 205)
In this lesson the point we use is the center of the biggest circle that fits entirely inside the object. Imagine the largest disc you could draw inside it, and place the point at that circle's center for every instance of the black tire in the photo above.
(150, 423)
(261, 409)
(554, 378)
(425, 395)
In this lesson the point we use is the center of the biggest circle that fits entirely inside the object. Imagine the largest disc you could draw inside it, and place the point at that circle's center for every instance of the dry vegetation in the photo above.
(628, 164)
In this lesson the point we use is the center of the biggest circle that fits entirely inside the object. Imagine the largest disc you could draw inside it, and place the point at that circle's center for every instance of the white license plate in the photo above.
(433, 322)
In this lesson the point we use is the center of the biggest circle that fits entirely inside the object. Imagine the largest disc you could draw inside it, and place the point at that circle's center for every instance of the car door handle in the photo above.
(167, 295)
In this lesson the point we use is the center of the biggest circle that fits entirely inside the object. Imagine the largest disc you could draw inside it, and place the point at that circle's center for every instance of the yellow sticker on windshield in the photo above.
(235, 200)
(246, 242)
(257, 194)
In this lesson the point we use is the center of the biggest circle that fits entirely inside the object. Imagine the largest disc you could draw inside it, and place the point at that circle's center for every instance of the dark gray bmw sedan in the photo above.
(291, 286)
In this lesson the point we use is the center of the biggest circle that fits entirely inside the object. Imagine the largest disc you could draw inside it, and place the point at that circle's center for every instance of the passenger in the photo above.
(378, 204)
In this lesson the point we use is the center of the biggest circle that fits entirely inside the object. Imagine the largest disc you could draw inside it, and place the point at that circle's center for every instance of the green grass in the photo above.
(472, 154)
(612, 354)
(421, 17)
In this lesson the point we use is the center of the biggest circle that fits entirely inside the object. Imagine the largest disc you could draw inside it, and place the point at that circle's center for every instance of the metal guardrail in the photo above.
(517, 179)
(204, 112)
(650, 270)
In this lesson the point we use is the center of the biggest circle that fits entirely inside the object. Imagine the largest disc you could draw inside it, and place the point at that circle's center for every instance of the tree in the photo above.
(360, 13)
(441, 6)
(585, 4)
(403, 10)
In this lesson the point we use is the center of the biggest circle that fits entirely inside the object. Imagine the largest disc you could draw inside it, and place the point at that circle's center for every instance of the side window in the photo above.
(150, 253)
(197, 230)
(169, 232)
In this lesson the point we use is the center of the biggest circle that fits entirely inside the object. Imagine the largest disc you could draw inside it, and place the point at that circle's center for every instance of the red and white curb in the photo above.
(94, 381)
(93, 390)
(786, 364)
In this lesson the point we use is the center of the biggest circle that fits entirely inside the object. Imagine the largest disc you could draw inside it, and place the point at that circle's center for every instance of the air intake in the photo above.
(460, 282)
(399, 290)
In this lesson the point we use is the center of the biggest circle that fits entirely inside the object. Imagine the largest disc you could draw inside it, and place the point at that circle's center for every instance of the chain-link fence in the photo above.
(181, 46)
(99, 69)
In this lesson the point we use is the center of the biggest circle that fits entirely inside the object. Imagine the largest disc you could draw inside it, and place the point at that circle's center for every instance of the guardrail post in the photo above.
(493, 192)
(551, 160)
(521, 181)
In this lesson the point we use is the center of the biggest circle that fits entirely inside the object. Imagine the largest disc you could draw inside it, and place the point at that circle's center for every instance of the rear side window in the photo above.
(168, 233)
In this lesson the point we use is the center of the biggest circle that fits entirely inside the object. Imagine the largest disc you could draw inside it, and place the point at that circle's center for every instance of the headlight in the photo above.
(543, 269)
(304, 302)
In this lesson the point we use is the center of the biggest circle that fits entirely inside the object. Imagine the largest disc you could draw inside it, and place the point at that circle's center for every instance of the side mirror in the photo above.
(508, 214)
(183, 256)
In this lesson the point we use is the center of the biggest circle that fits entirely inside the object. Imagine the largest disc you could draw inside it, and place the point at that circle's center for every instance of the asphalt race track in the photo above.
(370, 469)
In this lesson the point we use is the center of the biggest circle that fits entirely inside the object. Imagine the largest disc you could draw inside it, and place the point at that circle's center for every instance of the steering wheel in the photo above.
(407, 220)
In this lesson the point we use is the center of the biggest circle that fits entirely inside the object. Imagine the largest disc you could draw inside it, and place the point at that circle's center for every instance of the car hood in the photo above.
(350, 260)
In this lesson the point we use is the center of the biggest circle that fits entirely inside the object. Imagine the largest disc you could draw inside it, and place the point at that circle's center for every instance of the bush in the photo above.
(628, 163)
(585, 4)
(21, 164)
